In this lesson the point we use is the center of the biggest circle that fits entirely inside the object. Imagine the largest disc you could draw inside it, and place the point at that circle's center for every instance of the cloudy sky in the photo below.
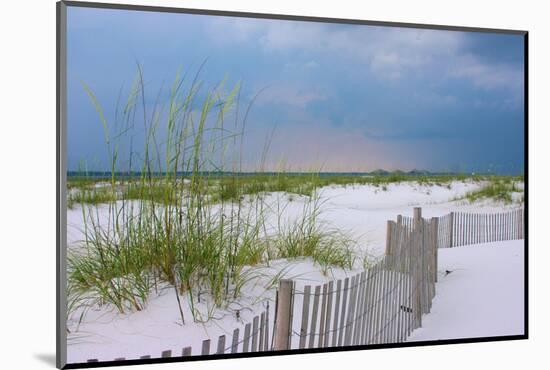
(340, 97)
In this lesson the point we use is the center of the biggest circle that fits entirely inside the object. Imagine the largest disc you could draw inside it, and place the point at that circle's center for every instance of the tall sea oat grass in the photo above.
(176, 224)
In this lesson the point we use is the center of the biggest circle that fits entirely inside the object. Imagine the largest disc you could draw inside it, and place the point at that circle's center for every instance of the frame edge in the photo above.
(61, 215)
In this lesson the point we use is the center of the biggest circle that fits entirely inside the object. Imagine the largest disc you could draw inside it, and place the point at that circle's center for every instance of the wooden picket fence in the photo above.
(252, 337)
(382, 304)
(385, 303)
(460, 228)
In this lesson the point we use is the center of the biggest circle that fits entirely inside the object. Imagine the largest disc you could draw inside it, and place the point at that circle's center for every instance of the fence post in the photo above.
(417, 217)
(283, 316)
(435, 223)
(221, 345)
(418, 235)
(205, 347)
(388, 237)
(518, 223)
(451, 229)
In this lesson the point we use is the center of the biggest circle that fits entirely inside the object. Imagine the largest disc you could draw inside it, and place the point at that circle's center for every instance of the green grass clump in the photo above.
(157, 191)
(307, 237)
(326, 248)
(87, 195)
(229, 190)
(498, 189)
(234, 186)
(79, 182)
(161, 229)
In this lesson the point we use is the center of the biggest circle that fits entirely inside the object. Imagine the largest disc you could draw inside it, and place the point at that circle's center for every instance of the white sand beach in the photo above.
(482, 296)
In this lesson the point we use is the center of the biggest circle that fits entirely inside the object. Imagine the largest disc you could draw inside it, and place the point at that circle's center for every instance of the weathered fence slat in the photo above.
(351, 306)
(385, 301)
(366, 303)
(336, 313)
(235, 341)
(329, 313)
(262, 332)
(343, 311)
(205, 347)
(359, 309)
(246, 339)
(221, 345)
(266, 340)
(255, 334)
(323, 317)
(314, 316)
(378, 309)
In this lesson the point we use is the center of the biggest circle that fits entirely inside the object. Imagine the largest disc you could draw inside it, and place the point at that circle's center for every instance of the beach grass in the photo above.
(499, 189)
(87, 195)
(233, 186)
(192, 233)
